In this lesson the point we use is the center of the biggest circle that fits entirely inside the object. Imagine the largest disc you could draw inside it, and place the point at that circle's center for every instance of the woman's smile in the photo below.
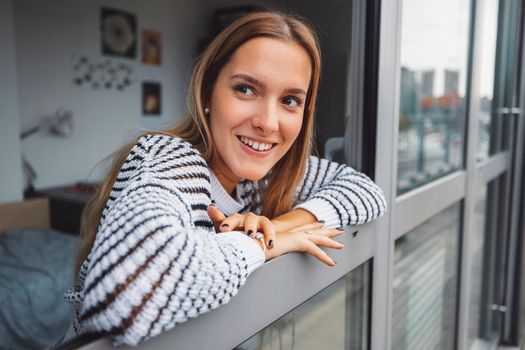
(259, 146)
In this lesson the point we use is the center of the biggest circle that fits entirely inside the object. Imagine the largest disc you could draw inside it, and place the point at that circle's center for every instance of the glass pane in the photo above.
(480, 332)
(425, 284)
(434, 49)
(335, 318)
(487, 70)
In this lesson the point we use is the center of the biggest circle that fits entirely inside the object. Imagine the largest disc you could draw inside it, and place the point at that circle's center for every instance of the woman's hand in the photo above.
(250, 223)
(306, 239)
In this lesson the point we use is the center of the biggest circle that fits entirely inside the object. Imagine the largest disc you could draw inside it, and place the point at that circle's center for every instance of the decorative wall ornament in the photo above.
(151, 98)
(118, 30)
(103, 73)
(151, 47)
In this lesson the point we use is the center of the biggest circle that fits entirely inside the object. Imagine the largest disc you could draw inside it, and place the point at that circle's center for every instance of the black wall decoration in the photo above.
(151, 98)
(104, 74)
(118, 32)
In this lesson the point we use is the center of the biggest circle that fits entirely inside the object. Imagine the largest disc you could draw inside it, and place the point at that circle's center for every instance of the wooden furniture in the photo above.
(30, 213)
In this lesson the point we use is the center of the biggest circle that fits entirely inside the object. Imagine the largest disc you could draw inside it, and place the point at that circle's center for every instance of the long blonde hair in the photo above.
(194, 128)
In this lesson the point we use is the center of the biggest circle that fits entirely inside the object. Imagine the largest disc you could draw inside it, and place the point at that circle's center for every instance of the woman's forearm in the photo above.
(294, 218)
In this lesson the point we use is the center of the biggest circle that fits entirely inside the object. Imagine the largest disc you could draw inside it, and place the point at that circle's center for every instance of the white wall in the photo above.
(48, 36)
(11, 184)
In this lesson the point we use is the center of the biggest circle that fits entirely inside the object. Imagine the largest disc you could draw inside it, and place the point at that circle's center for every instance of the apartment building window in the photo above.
(434, 50)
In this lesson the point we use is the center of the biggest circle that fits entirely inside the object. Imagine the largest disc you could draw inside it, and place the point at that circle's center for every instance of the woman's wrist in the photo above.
(259, 239)
(268, 253)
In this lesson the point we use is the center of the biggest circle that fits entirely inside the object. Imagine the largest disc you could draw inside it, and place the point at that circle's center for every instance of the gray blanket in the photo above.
(36, 267)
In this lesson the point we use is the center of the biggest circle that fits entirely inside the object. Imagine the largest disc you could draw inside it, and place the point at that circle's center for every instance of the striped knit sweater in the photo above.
(156, 260)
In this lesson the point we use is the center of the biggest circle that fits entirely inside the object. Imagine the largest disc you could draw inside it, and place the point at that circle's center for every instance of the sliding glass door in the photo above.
(449, 265)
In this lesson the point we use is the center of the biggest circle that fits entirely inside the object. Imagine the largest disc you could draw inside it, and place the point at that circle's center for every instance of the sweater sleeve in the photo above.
(338, 194)
(150, 268)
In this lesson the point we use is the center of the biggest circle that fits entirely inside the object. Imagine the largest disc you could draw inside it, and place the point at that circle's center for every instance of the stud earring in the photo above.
(206, 111)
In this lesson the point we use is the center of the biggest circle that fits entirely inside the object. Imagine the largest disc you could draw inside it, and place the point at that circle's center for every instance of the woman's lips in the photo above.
(254, 152)
(256, 144)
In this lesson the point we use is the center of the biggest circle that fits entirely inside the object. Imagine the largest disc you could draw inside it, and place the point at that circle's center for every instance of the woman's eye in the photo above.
(245, 90)
(292, 101)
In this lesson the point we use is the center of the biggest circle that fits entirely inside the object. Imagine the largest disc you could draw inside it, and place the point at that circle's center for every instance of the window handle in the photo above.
(497, 307)
(508, 110)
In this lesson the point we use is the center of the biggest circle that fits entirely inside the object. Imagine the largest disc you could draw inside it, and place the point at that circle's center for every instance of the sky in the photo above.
(435, 36)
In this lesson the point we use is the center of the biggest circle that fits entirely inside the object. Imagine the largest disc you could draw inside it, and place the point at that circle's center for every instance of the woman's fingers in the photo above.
(216, 216)
(328, 233)
(268, 229)
(309, 227)
(324, 241)
(320, 254)
(232, 222)
(251, 224)
(255, 223)
(317, 240)
(307, 242)
(332, 233)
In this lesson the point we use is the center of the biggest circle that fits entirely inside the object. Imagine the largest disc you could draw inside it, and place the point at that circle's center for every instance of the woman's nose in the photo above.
(267, 119)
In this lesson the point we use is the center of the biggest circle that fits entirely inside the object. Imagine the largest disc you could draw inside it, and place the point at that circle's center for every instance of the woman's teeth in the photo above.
(255, 145)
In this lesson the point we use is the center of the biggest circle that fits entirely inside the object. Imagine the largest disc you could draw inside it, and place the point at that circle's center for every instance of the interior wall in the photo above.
(11, 184)
(50, 36)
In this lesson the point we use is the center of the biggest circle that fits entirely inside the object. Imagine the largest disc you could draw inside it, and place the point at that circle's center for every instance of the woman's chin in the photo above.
(253, 175)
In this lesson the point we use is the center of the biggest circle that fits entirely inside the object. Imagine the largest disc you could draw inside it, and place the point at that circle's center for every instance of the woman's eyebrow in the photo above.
(248, 79)
(296, 91)
(256, 82)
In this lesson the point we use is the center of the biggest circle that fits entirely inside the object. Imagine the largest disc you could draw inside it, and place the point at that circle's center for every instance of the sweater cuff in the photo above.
(322, 211)
(249, 247)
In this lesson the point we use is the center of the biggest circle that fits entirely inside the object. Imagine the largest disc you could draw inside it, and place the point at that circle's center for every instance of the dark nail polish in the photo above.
(250, 232)
(225, 225)
(270, 243)
(321, 221)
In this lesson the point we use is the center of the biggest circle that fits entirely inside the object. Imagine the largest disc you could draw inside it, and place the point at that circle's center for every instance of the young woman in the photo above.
(239, 164)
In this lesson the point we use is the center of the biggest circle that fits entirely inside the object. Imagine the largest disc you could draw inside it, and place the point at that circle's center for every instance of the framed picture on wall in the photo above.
(151, 47)
(151, 98)
(118, 31)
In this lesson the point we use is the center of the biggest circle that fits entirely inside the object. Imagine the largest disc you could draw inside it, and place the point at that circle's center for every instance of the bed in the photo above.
(36, 266)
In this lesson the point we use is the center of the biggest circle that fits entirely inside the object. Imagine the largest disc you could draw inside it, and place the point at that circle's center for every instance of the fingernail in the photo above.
(225, 225)
(270, 243)
(321, 221)
(250, 232)
(334, 261)
(212, 204)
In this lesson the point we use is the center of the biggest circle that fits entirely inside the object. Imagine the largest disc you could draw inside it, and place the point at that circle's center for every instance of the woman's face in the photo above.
(257, 106)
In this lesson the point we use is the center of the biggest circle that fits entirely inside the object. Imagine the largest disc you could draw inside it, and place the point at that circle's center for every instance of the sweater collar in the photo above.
(222, 199)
